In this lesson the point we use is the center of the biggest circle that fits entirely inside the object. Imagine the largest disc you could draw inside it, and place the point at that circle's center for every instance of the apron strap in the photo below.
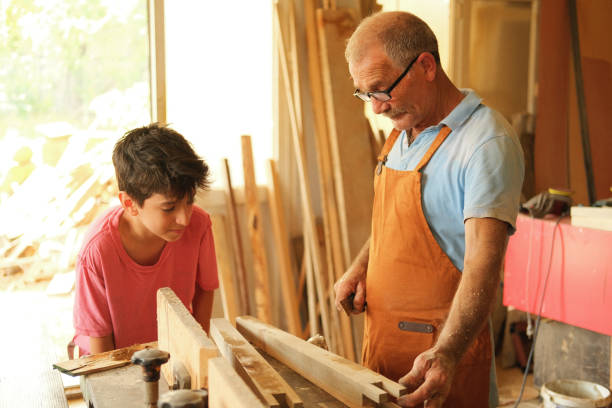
(382, 157)
(442, 134)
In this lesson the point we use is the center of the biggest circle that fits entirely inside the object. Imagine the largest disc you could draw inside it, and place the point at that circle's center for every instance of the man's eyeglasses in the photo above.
(384, 96)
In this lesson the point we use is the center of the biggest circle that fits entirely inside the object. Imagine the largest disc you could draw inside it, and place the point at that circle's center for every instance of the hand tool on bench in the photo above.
(184, 399)
(151, 361)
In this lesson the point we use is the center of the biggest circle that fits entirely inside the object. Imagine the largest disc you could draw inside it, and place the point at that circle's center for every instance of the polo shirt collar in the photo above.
(463, 110)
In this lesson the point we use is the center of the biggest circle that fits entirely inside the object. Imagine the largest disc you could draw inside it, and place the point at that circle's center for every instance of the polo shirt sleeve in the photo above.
(207, 262)
(493, 181)
(91, 311)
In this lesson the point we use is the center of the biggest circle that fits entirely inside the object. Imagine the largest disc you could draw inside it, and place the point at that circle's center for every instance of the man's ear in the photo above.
(429, 65)
(128, 203)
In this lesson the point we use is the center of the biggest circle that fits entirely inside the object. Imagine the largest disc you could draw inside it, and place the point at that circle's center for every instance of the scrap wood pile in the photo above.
(43, 221)
(345, 158)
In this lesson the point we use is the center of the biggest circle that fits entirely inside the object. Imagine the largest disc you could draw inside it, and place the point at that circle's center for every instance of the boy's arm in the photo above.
(202, 306)
(101, 344)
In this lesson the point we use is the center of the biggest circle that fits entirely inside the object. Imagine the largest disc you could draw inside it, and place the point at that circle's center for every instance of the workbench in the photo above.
(123, 387)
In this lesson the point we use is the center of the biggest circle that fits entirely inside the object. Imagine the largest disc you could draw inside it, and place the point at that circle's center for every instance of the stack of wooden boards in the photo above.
(345, 151)
(241, 376)
(592, 217)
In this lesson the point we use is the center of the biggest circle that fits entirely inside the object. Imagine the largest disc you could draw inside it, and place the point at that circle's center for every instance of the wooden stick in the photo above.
(282, 251)
(310, 231)
(182, 336)
(232, 216)
(348, 382)
(254, 227)
(313, 318)
(227, 282)
(227, 389)
(252, 367)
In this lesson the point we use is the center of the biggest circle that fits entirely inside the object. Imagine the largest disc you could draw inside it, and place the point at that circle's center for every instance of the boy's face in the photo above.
(164, 216)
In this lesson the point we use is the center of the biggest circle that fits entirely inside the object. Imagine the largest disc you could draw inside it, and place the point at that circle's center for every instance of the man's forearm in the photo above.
(485, 247)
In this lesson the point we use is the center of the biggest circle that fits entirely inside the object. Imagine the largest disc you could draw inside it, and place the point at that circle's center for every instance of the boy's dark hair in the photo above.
(156, 159)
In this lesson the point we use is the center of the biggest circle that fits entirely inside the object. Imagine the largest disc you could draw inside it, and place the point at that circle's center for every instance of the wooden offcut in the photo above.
(592, 217)
(252, 367)
(227, 283)
(182, 336)
(348, 382)
(255, 230)
(107, 360)
(226, 389)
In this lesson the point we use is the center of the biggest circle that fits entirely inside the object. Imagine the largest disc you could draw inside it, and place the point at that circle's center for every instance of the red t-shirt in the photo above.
(116, 295)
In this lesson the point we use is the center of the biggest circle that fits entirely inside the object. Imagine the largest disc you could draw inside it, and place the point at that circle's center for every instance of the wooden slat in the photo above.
(348, 131)
(251, 365)
(157, 56)
(182, 336)
(236, 238)
(226, 389)
(349, 382)
(227, 283)
(306, 196)
(255, 229)
(287, 276)
(101, 361)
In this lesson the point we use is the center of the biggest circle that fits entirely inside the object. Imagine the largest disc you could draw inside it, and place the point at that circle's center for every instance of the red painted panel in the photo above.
(579, 288)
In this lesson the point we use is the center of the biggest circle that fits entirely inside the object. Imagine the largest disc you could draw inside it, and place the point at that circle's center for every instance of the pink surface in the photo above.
(579, 288)
(116, 295)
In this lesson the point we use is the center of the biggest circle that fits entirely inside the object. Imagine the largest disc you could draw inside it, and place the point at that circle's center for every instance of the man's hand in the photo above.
(353, 282)
(429, 380)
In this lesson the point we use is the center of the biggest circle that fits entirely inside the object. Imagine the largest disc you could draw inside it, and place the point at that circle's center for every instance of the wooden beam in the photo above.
(252, 367)
(181, 335)
(227, 283)
(226, 389)
(232, 216)
(157, 60)
(348, 382)
(255, 229)
(287, 275)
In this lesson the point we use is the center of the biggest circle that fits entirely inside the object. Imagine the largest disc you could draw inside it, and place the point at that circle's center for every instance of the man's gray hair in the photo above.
(402, 35)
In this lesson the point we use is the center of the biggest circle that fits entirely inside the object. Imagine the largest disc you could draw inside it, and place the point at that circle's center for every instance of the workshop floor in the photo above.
(36, 319)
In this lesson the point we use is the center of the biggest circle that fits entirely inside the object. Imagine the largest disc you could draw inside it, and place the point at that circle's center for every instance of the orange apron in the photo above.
(411, 283)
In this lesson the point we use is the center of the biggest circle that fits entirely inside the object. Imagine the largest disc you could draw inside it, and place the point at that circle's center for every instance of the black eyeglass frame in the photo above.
(384, 96)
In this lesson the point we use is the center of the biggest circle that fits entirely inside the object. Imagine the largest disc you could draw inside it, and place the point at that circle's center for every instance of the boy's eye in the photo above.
(168, 209)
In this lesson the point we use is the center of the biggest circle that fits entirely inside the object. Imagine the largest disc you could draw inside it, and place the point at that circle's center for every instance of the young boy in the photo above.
(156, 238)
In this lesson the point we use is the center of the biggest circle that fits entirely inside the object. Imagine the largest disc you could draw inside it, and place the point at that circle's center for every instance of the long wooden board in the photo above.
(227, 283)
(287, 275)
(181, 335)
(349, 382)
(255, 229)
(101, 361)
(252, 367)
(226, 389)
(348, 131)
(236, 238)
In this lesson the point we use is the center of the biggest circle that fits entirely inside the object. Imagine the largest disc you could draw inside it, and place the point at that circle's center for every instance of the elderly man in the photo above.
(447, 189)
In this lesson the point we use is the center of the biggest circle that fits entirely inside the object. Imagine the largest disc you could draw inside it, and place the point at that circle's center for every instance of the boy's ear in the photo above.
(128, 203)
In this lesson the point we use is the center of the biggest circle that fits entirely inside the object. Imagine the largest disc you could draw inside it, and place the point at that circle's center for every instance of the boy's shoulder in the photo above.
(99, 236)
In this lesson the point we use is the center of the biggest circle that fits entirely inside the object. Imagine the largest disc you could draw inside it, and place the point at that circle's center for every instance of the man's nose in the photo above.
(379, 107)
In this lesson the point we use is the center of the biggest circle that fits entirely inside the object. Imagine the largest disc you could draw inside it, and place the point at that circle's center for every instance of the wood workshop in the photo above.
(305, 203)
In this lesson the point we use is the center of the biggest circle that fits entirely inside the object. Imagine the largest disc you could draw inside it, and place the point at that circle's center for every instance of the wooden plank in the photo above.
(102, 361)
(348, 131)
(232, 216)
(182, 336)
(255, 229)
(306, 196)
(227, 283)
(157, 58)
(349, 382)
(254, 369)
(592, 217)
(226, 389)
(287, 276)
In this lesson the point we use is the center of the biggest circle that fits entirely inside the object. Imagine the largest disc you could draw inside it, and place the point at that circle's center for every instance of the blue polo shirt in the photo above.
(477, 172)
